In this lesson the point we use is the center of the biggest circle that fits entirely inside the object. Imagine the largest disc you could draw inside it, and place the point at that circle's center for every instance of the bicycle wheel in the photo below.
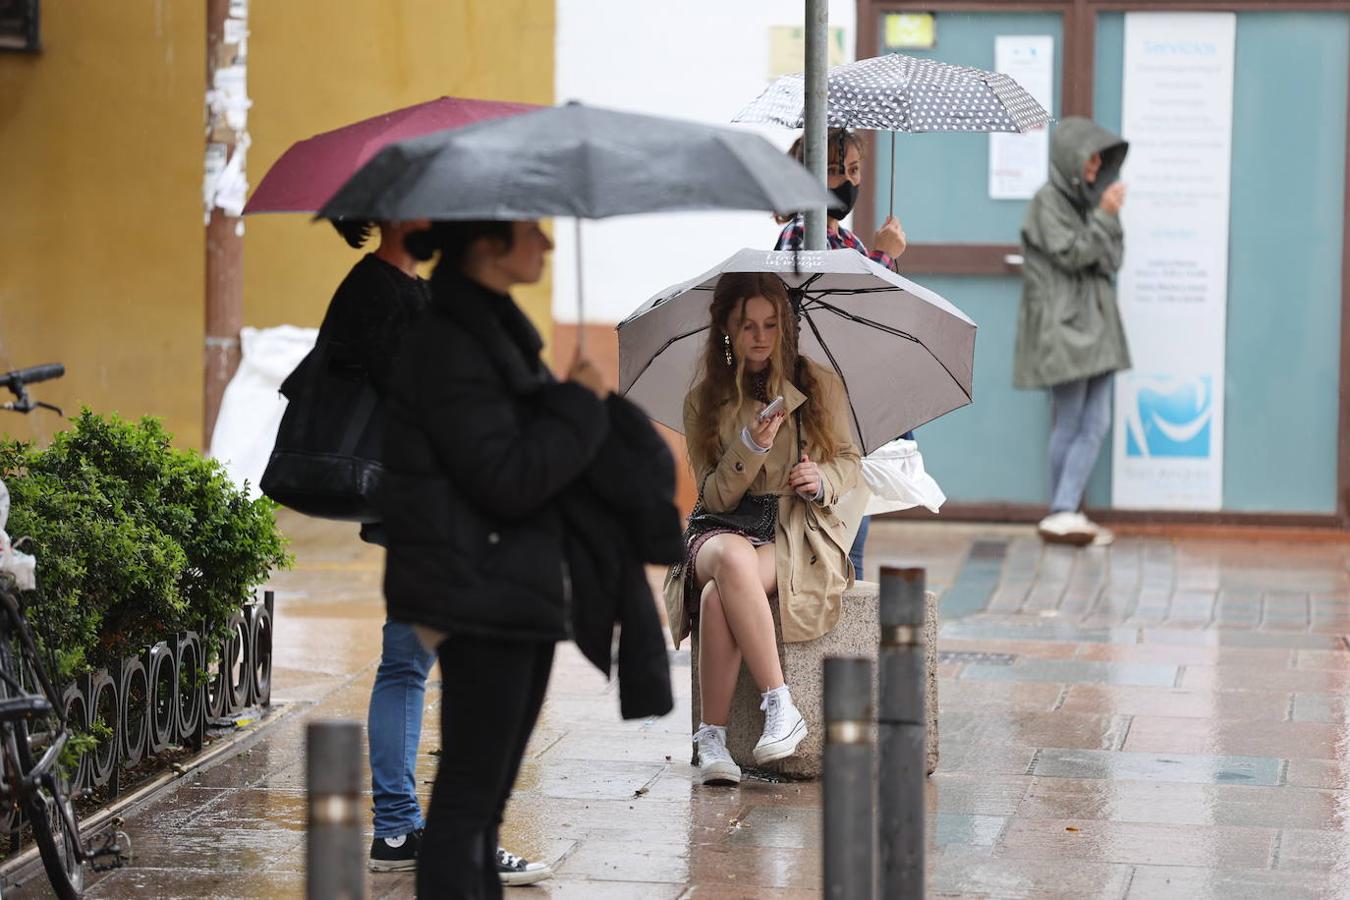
(50, 815)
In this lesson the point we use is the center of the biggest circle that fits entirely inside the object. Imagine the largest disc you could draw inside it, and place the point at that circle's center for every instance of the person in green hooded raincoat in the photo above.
(1069, 334)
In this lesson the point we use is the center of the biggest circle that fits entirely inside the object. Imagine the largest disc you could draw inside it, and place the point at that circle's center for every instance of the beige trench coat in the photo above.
(813, 539)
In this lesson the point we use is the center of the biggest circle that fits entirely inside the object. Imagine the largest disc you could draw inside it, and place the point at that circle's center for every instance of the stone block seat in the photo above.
(857, 634)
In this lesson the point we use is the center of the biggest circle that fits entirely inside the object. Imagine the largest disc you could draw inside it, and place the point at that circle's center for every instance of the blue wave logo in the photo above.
(1166, 416)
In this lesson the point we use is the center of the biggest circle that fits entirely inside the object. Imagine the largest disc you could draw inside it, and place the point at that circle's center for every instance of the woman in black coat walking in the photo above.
(480, 443)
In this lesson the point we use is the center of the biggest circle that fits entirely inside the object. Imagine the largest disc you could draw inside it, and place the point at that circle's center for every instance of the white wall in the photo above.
(692, 59)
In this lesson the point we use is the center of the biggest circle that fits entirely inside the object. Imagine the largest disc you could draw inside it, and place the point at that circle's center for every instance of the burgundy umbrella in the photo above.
(312, 170)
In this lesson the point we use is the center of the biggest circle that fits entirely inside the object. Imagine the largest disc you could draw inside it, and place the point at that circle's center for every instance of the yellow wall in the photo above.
(101, 239)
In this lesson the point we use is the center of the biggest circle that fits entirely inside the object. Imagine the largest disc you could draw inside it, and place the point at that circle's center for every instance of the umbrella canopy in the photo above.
(310, 171)
(905, 355)
(895, 92)
(577, 161)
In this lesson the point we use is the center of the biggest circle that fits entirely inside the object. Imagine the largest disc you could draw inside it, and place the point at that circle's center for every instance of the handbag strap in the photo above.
(362, 410)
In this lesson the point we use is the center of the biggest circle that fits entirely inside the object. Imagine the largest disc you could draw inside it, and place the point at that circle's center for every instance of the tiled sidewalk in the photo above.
(1163, 718)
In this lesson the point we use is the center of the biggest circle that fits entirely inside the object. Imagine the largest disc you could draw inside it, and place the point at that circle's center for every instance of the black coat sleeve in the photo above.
(509, 456)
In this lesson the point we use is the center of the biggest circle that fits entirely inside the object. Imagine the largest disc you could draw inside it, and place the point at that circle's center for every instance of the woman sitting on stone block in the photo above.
(766, 522)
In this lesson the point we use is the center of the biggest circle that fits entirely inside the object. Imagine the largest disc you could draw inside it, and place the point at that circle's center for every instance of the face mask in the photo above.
(847, 194)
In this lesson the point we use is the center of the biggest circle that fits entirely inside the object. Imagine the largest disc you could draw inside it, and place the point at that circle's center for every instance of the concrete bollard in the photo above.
(848, 833)
(900, 733)
(334, 858)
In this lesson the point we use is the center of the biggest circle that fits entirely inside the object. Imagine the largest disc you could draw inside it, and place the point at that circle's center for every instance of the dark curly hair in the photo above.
(453, 239)
(354, 231)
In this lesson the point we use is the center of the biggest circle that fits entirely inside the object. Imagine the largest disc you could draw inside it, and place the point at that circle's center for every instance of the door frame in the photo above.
(1078, 73)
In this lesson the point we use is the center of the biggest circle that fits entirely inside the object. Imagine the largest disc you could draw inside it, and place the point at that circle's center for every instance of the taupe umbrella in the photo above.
(905, 355)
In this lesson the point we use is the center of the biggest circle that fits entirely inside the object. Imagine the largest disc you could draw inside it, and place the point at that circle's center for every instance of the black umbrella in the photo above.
(579, 161)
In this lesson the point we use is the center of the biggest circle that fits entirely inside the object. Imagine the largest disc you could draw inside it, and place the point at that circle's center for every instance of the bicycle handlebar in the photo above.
(31, 375)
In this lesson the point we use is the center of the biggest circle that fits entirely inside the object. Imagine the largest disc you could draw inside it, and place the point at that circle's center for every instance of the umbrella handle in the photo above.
(581, 293)
(890, 190)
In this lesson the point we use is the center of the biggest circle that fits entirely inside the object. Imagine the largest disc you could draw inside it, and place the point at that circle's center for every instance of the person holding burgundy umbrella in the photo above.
(369, 315)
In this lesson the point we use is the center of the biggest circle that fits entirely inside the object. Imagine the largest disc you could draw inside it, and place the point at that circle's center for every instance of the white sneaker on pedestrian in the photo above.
(1105, 536)
(715, 765)
(1067, 528)
(784, 727)
(511, 869)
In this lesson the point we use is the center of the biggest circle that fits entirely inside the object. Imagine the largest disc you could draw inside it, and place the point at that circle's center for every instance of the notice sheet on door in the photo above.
(1018, 163)
(1173, 286)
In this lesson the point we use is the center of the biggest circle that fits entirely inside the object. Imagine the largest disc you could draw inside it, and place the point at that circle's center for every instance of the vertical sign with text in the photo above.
(1020, 163)
(1177, 114)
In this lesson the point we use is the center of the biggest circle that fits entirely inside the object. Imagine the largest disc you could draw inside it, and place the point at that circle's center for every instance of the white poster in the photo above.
(1019, 163)
(1173, 287)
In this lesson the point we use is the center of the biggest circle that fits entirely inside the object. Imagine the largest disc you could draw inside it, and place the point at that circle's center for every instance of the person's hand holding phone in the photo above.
(764, 428)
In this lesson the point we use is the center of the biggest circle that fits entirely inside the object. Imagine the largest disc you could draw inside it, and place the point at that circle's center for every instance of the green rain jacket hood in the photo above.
(1068, 324)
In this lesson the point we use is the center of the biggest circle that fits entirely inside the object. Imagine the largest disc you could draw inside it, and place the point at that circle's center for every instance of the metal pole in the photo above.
(900, 733)
(334, 858)
(226, 142)
(847, 827)
(816, 132)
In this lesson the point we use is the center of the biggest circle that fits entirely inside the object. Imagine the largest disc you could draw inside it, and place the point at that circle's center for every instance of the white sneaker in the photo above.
(1067, 528)
(1105, 536)
(715, 765)
(784, 727)
(511, 869)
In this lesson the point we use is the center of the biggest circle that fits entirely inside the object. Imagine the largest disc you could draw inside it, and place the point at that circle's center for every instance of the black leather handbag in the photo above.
(756, 517)
(326, 460)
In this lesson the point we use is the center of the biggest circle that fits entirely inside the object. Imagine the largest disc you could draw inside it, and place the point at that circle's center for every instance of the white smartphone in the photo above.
(774, 407)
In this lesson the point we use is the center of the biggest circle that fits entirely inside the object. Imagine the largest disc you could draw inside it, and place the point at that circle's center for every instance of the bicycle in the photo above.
(33, 727)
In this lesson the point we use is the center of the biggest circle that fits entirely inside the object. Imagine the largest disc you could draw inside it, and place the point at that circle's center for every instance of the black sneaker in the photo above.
(511, 869)
(396, 854)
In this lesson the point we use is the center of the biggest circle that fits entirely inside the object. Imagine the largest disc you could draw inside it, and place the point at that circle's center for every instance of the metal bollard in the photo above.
(900, 733)
(334, 858)
(847, 828)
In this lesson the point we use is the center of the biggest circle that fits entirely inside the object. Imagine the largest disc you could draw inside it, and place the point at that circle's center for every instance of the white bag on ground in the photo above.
(250, 411)
(21, 565)
(895, 475)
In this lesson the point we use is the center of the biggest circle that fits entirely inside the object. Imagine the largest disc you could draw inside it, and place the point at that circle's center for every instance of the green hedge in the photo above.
(134, 539)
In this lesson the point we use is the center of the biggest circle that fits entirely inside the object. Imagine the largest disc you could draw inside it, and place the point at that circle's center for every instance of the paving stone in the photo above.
(1196, 883)
(1170, 803)
(1076, 672)
(1170, 734)
(1137, 843)
(1197, 703)
(1184, 768)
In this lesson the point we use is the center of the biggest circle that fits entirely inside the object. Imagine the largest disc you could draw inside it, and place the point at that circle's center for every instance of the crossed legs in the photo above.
(735, 622)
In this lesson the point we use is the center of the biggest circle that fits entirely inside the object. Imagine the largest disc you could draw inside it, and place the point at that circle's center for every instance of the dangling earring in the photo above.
(726, 341)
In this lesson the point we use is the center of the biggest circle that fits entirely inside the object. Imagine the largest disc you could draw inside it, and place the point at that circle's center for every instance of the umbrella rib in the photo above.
(664, 347)
(838, 371)
(889, 330)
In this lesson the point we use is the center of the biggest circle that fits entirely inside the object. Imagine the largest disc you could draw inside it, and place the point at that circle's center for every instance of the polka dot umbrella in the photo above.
(895, 92)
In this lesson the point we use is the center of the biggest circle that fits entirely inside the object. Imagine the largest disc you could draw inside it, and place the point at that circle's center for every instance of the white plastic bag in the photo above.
(250, 411)
(21, 565)
(894, 472)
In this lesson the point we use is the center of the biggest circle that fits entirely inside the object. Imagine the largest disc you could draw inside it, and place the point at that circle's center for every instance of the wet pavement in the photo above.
(1162, 718)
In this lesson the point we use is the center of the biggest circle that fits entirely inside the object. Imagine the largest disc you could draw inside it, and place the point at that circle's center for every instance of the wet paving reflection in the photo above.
(1162, 718)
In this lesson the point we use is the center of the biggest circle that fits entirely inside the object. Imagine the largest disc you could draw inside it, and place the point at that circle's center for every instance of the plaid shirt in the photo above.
(794, 235)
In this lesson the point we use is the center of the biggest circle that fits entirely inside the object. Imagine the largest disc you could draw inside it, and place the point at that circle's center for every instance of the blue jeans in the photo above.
(1082, 411)
(859, 544)
(394, 727)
